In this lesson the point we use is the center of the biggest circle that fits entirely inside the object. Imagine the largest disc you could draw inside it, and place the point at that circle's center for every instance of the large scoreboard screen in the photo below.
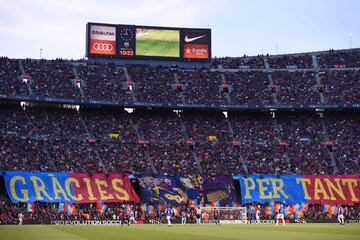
(147, 42)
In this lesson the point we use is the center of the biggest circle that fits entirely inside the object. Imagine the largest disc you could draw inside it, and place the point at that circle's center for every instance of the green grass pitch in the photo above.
(187, 232)
(155, 42)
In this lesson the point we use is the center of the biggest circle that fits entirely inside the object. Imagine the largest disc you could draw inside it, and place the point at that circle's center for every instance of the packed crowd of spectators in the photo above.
(244, 62)
(250, 84)
(202, 87)
(154, 84)
(249, 87)
(54, 78)
(10, 78)
(152, 142)
(104, 82)
(339, 59)
(296, 87)
(302, 61)
(341, 86)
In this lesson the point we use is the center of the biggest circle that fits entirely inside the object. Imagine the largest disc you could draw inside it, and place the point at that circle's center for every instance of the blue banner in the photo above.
(40, 186)
(270, 188)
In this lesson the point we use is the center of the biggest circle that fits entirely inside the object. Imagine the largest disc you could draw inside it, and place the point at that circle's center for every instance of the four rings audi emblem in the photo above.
(103, 46)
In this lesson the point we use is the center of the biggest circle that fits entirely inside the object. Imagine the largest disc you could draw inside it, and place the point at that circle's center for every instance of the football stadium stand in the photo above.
(284, 114)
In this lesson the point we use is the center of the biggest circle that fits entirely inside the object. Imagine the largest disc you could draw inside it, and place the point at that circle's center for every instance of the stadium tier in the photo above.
(70, 117)
(320, 80)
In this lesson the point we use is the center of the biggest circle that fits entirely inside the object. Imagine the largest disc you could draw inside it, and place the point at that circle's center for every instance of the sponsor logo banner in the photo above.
(104, 47)
(87, 222)
(196, 51)
(102, 40)
(290, 189)
(98, 32)
(68, 187)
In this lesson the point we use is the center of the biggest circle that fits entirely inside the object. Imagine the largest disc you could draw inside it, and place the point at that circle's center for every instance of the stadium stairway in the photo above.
(266, 63)
(141, 136)
(89, 134)
(186, 135)
(82, 83)
(223, 80)
(322, 98)
(197, 160)
(314, 61)
(28, 84)
(232, 133)
(128, 79)
(273, 95)
(44, 147)
(326, 138)
(176, 77)
(183, 128)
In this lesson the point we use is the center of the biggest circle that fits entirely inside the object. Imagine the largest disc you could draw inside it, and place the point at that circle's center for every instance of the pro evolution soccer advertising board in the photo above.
(148, 42)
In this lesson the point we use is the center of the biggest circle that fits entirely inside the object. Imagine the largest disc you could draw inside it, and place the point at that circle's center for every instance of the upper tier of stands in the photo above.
(311, 79)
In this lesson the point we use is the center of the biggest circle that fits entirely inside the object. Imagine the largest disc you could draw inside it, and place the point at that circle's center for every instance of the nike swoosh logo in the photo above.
(187, 39)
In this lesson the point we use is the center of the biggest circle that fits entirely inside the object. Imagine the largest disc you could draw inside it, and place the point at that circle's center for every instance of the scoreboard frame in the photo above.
(194, 43)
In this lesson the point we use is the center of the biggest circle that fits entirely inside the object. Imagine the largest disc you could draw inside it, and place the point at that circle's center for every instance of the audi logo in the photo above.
(103, 46)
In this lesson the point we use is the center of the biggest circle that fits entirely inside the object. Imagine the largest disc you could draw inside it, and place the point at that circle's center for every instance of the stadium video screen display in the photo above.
(157, 42)
(146, 42)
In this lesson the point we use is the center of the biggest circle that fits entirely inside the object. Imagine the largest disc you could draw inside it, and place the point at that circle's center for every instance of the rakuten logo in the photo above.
(98, 32)
(103, 33)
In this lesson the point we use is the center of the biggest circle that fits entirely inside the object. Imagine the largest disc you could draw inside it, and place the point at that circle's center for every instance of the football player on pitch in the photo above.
(281, 215)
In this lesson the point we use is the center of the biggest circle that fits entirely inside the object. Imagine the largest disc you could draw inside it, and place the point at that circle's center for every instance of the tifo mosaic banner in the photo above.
(69, 187)
(194, 189)
(291, 189)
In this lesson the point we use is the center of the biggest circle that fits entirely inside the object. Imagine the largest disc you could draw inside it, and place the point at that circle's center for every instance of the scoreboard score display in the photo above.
(147, 42)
